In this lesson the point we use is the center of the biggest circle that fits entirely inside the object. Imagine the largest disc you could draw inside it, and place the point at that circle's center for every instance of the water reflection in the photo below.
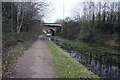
(100, 67)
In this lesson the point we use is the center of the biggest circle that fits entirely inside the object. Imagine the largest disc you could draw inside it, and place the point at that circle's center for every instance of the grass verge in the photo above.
(67, 66)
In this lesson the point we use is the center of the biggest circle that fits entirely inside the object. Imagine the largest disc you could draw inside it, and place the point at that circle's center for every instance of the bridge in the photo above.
(51, 27)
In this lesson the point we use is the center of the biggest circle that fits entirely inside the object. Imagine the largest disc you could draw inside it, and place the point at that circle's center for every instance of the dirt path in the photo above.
(36, 62)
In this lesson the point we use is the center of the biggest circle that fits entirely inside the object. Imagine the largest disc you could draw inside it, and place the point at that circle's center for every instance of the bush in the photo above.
(89, 38)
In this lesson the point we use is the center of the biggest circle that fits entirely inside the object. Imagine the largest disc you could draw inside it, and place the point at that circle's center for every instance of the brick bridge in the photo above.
(47, 27)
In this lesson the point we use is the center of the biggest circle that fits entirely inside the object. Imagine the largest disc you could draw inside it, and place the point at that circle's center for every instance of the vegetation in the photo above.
(20, 17)
(11, 54)
(20, 26)
(97, 18)
(109, 53)
(67, 66)
(93, 29)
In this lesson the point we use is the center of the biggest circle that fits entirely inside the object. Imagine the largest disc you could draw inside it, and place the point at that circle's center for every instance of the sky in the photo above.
(57, 12)
(57, 5)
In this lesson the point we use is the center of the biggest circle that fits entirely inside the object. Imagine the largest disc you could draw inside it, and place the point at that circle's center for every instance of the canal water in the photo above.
(101, 67)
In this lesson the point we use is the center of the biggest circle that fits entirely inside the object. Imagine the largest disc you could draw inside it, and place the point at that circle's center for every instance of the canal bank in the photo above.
(68, 67)
(100, 59)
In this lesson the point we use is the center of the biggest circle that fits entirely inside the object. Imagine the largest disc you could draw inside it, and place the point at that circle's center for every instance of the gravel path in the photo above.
(36, 62)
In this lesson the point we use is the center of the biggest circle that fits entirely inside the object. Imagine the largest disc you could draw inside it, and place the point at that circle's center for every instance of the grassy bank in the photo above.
(67, 66)
(15, 49)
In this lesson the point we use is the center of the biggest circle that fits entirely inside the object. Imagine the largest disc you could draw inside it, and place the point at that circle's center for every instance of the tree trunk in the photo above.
(19, 26)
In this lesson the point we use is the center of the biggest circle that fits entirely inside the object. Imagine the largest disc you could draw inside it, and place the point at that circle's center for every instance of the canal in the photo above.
(99, 65)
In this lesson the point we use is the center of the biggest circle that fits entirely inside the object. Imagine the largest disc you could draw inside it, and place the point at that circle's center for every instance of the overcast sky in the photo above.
(57, 13)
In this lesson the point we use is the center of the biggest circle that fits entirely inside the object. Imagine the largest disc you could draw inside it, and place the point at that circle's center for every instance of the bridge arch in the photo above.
(52, 32)
(50, 28)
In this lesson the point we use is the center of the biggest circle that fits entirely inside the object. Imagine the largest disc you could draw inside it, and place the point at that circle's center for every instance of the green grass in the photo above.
(68, 67)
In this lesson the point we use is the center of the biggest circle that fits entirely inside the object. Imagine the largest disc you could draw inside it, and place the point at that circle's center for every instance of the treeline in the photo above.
(90, 19)
(19, 18)
(21, 23)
